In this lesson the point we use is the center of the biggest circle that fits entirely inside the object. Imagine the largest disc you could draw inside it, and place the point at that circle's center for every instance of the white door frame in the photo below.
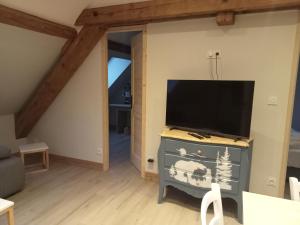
(105, 106)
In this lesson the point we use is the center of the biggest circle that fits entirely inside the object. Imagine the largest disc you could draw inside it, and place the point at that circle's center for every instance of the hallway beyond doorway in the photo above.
(119, 145)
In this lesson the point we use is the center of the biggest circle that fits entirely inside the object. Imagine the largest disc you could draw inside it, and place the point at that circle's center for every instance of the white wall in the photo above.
(72, 125)
(258, 47)
(7, 133)
(25, 58)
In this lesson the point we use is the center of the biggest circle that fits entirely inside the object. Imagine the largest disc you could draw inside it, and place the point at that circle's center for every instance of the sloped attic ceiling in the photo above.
(61, 11)
(25, 58)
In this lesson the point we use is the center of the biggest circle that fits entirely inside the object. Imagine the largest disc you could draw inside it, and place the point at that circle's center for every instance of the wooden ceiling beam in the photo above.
(225, 18)
(164, 10)
(24, 20)
(70, 60)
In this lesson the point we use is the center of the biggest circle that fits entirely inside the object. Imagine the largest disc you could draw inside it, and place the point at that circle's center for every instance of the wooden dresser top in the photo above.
(183, 135)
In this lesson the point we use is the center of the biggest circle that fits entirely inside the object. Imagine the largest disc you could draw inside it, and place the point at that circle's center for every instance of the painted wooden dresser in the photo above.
(191, 165)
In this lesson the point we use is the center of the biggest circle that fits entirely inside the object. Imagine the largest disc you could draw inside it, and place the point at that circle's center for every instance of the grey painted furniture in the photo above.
(191, 165)
(12, 174)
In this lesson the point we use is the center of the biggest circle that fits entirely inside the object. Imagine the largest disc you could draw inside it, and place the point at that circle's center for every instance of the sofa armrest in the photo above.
(12, 176)
(4, 152)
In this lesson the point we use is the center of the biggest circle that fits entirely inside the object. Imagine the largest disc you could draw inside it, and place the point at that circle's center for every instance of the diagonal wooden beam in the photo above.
(163, 10)
(54, 82)
(24, 20)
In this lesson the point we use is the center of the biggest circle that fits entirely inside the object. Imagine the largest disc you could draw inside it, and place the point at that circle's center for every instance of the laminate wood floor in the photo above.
(119, 145)
(72, 195)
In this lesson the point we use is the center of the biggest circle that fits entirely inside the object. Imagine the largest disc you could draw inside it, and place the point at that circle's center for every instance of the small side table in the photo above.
(36, 148)
(8, 208)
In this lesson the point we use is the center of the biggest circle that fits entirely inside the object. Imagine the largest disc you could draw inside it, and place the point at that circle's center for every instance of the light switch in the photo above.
(273, 100)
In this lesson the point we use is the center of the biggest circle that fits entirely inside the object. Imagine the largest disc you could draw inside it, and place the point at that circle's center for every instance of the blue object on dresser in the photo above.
(191, 165)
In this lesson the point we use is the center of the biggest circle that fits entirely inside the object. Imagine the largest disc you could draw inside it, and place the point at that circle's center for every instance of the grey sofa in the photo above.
(12, 174)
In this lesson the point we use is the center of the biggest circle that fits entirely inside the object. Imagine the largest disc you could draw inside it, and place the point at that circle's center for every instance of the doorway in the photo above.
(124, 122)
(293, 164)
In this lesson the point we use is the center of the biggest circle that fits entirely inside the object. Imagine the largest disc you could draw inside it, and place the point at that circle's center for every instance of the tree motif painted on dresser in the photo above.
(224, 170)
(197, 174)
(172, 171)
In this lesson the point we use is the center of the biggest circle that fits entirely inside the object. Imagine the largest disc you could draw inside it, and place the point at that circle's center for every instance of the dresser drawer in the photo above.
(194, 180)
(202, 166)
(200, 151)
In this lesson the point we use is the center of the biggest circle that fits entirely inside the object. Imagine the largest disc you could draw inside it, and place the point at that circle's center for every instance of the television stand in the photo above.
(202, 135)
(208, 135)
(191, 164)
(239, 139)
(193, 132)
(172, 128)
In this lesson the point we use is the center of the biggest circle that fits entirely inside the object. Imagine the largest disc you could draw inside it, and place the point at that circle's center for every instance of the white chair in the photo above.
(295, 189)
(213, 196)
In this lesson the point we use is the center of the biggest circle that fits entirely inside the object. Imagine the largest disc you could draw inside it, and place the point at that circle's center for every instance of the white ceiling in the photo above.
(60, 11)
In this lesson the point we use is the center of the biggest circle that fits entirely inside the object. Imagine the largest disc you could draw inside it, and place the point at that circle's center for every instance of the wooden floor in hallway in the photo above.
(72, 195)
(119, 148)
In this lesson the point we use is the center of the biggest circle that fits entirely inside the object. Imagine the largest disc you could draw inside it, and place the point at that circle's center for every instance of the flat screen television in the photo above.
(210, 106)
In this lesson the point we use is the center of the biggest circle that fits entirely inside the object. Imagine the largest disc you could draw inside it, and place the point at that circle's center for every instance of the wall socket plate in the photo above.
(271, 181)
(150, 166)
(211, 54)
(273, 101)
(99, 151)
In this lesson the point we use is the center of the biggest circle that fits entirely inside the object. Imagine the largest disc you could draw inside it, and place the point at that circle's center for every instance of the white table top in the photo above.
(35, 147)
(4, 205)
(264, 210)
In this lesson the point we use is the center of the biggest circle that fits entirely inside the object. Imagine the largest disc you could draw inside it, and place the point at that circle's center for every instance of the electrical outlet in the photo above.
(213, 54)
(150, 163)
(150, 166)
(271, 181)
(99, 151)
(273, 101)
(210, 54)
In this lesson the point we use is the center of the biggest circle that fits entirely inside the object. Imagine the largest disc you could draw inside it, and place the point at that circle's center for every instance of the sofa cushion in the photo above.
(4, 152)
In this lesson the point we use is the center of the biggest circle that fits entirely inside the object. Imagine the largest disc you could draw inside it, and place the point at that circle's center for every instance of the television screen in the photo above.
(215, 107)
